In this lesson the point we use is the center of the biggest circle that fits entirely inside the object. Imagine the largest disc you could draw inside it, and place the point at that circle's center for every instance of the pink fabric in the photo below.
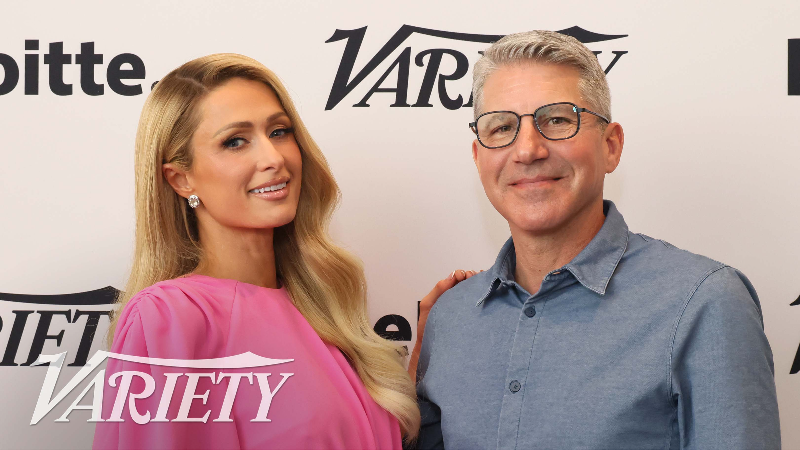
(323, 405)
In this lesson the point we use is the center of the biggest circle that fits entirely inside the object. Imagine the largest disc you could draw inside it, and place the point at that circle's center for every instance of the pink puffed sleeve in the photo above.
(166, 324)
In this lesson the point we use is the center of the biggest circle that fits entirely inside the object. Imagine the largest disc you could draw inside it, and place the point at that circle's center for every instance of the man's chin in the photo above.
(540, 223)
(548, 217)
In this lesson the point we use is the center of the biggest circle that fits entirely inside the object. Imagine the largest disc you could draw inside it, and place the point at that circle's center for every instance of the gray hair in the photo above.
(545, 47)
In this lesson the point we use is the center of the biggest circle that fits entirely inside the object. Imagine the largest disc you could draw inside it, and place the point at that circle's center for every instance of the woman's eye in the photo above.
(234, 142)
(280, 132)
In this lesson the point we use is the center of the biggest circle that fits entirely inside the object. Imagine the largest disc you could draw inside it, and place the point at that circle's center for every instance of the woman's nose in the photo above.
(269, 157)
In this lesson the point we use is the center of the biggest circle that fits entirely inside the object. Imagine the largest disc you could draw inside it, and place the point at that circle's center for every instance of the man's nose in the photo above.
(530, 144)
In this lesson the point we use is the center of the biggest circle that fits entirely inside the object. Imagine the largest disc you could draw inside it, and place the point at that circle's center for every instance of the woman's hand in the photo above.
(425, 308)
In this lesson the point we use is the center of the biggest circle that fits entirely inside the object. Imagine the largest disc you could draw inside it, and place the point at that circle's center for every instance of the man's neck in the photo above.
(539, 254)
(242, 254)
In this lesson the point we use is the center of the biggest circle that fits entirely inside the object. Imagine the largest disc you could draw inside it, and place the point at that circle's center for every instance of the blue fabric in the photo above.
(635, 344)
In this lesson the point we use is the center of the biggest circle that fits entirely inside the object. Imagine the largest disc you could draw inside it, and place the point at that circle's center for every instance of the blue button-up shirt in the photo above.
(635, 344)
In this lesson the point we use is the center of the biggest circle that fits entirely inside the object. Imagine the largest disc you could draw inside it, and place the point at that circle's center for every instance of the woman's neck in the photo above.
(241, 254)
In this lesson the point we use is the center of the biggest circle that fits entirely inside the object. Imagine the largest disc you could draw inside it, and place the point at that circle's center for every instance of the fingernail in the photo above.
(452, 275)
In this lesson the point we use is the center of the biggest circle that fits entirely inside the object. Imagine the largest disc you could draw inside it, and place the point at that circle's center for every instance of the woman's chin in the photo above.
(275, 222)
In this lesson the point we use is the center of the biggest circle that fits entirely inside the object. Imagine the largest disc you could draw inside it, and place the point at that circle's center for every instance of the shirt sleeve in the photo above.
(722, 368)
(430, 433)
(142, 330)
(129, 339)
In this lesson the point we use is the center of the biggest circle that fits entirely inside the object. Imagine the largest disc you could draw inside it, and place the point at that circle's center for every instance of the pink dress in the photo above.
(323, 405)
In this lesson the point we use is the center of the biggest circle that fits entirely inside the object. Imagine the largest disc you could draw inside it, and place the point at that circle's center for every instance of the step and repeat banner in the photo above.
(708, 94)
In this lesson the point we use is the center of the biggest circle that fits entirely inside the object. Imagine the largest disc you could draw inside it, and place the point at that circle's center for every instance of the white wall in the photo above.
(710, 161)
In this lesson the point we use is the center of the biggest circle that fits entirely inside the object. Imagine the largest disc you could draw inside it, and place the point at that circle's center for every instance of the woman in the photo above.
(232, 255)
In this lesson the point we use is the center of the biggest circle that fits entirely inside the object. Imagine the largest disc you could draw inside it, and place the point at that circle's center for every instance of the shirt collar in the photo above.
(594, 265)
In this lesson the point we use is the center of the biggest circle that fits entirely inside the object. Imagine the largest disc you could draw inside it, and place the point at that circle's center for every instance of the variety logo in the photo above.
(46, 315)
(47, 402)
(431, 59)
(796, 363)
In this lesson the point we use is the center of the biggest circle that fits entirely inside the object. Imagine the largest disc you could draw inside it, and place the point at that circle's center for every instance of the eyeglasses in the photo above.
(555, 121)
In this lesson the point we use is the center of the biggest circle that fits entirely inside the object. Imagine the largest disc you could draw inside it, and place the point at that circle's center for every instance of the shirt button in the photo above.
(514, 386)
(530, 311)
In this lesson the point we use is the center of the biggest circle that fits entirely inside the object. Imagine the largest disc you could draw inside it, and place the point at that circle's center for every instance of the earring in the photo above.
(194, 201)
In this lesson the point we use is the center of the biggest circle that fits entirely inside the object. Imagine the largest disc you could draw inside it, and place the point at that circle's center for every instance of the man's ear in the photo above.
(178, 179)
(475, 153)
(614, 139)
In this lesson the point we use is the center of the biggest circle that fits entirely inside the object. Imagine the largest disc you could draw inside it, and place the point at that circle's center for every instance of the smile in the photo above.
(535, 182)
(276, 187)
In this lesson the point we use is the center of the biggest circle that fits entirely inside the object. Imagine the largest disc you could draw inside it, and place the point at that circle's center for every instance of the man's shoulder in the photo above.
(466, 293)
(680, 269)
(666, 258)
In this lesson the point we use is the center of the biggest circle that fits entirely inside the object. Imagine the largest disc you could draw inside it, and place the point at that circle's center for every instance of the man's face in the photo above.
(539, 185)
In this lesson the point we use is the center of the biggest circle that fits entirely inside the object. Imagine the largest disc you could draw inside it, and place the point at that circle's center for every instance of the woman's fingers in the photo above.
(455, 277)
(425, 306)
(438, 290)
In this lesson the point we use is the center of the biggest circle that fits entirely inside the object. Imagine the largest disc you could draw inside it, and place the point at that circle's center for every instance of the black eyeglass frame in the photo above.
(474, 125)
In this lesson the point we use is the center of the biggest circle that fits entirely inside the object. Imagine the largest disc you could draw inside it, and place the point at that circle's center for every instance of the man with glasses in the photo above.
(583, 334)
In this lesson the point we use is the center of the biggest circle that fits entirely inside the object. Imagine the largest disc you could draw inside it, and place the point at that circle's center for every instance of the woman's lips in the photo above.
(274, 192)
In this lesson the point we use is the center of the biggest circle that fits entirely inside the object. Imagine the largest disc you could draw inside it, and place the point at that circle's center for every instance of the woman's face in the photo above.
(246, 166)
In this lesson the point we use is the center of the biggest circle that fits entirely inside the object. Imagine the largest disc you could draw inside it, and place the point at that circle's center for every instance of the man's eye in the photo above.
(234, 142)
(280, 132)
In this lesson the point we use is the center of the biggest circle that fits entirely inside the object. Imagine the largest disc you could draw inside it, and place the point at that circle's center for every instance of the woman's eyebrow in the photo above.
(276, 115)
(234, 125)
(246, 124)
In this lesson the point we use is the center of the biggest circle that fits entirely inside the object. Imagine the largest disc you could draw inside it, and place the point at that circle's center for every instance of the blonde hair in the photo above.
(325, 283)
(548, 47)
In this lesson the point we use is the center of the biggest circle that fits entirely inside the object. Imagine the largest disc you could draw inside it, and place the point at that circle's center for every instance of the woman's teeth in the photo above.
(269, 188)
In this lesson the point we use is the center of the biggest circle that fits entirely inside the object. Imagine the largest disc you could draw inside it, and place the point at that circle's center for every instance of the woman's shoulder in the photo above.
(184, 295)
(187, 311)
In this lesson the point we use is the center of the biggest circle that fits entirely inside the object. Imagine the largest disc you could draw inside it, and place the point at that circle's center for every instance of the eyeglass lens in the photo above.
(499, 129)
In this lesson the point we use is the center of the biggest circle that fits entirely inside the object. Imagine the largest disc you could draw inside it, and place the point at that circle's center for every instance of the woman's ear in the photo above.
(178, 179)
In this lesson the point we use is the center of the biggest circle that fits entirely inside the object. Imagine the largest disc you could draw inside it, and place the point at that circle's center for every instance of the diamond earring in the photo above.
(194, 201)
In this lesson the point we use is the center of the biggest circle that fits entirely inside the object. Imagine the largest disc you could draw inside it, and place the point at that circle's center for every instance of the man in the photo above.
(583, 335)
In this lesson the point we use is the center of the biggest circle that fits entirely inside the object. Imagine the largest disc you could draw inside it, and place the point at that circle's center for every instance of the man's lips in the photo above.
(534, 181)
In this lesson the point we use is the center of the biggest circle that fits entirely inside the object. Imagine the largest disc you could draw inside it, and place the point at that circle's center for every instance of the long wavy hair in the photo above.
(325, 283)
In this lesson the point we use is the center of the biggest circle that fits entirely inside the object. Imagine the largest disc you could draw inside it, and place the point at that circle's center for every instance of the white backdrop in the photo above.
(710, 161)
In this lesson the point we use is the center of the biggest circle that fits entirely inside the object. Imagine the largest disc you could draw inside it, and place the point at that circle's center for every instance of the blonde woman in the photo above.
(232, 255)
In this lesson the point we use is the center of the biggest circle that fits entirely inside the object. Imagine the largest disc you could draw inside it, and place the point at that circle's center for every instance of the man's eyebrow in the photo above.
(245, 124)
